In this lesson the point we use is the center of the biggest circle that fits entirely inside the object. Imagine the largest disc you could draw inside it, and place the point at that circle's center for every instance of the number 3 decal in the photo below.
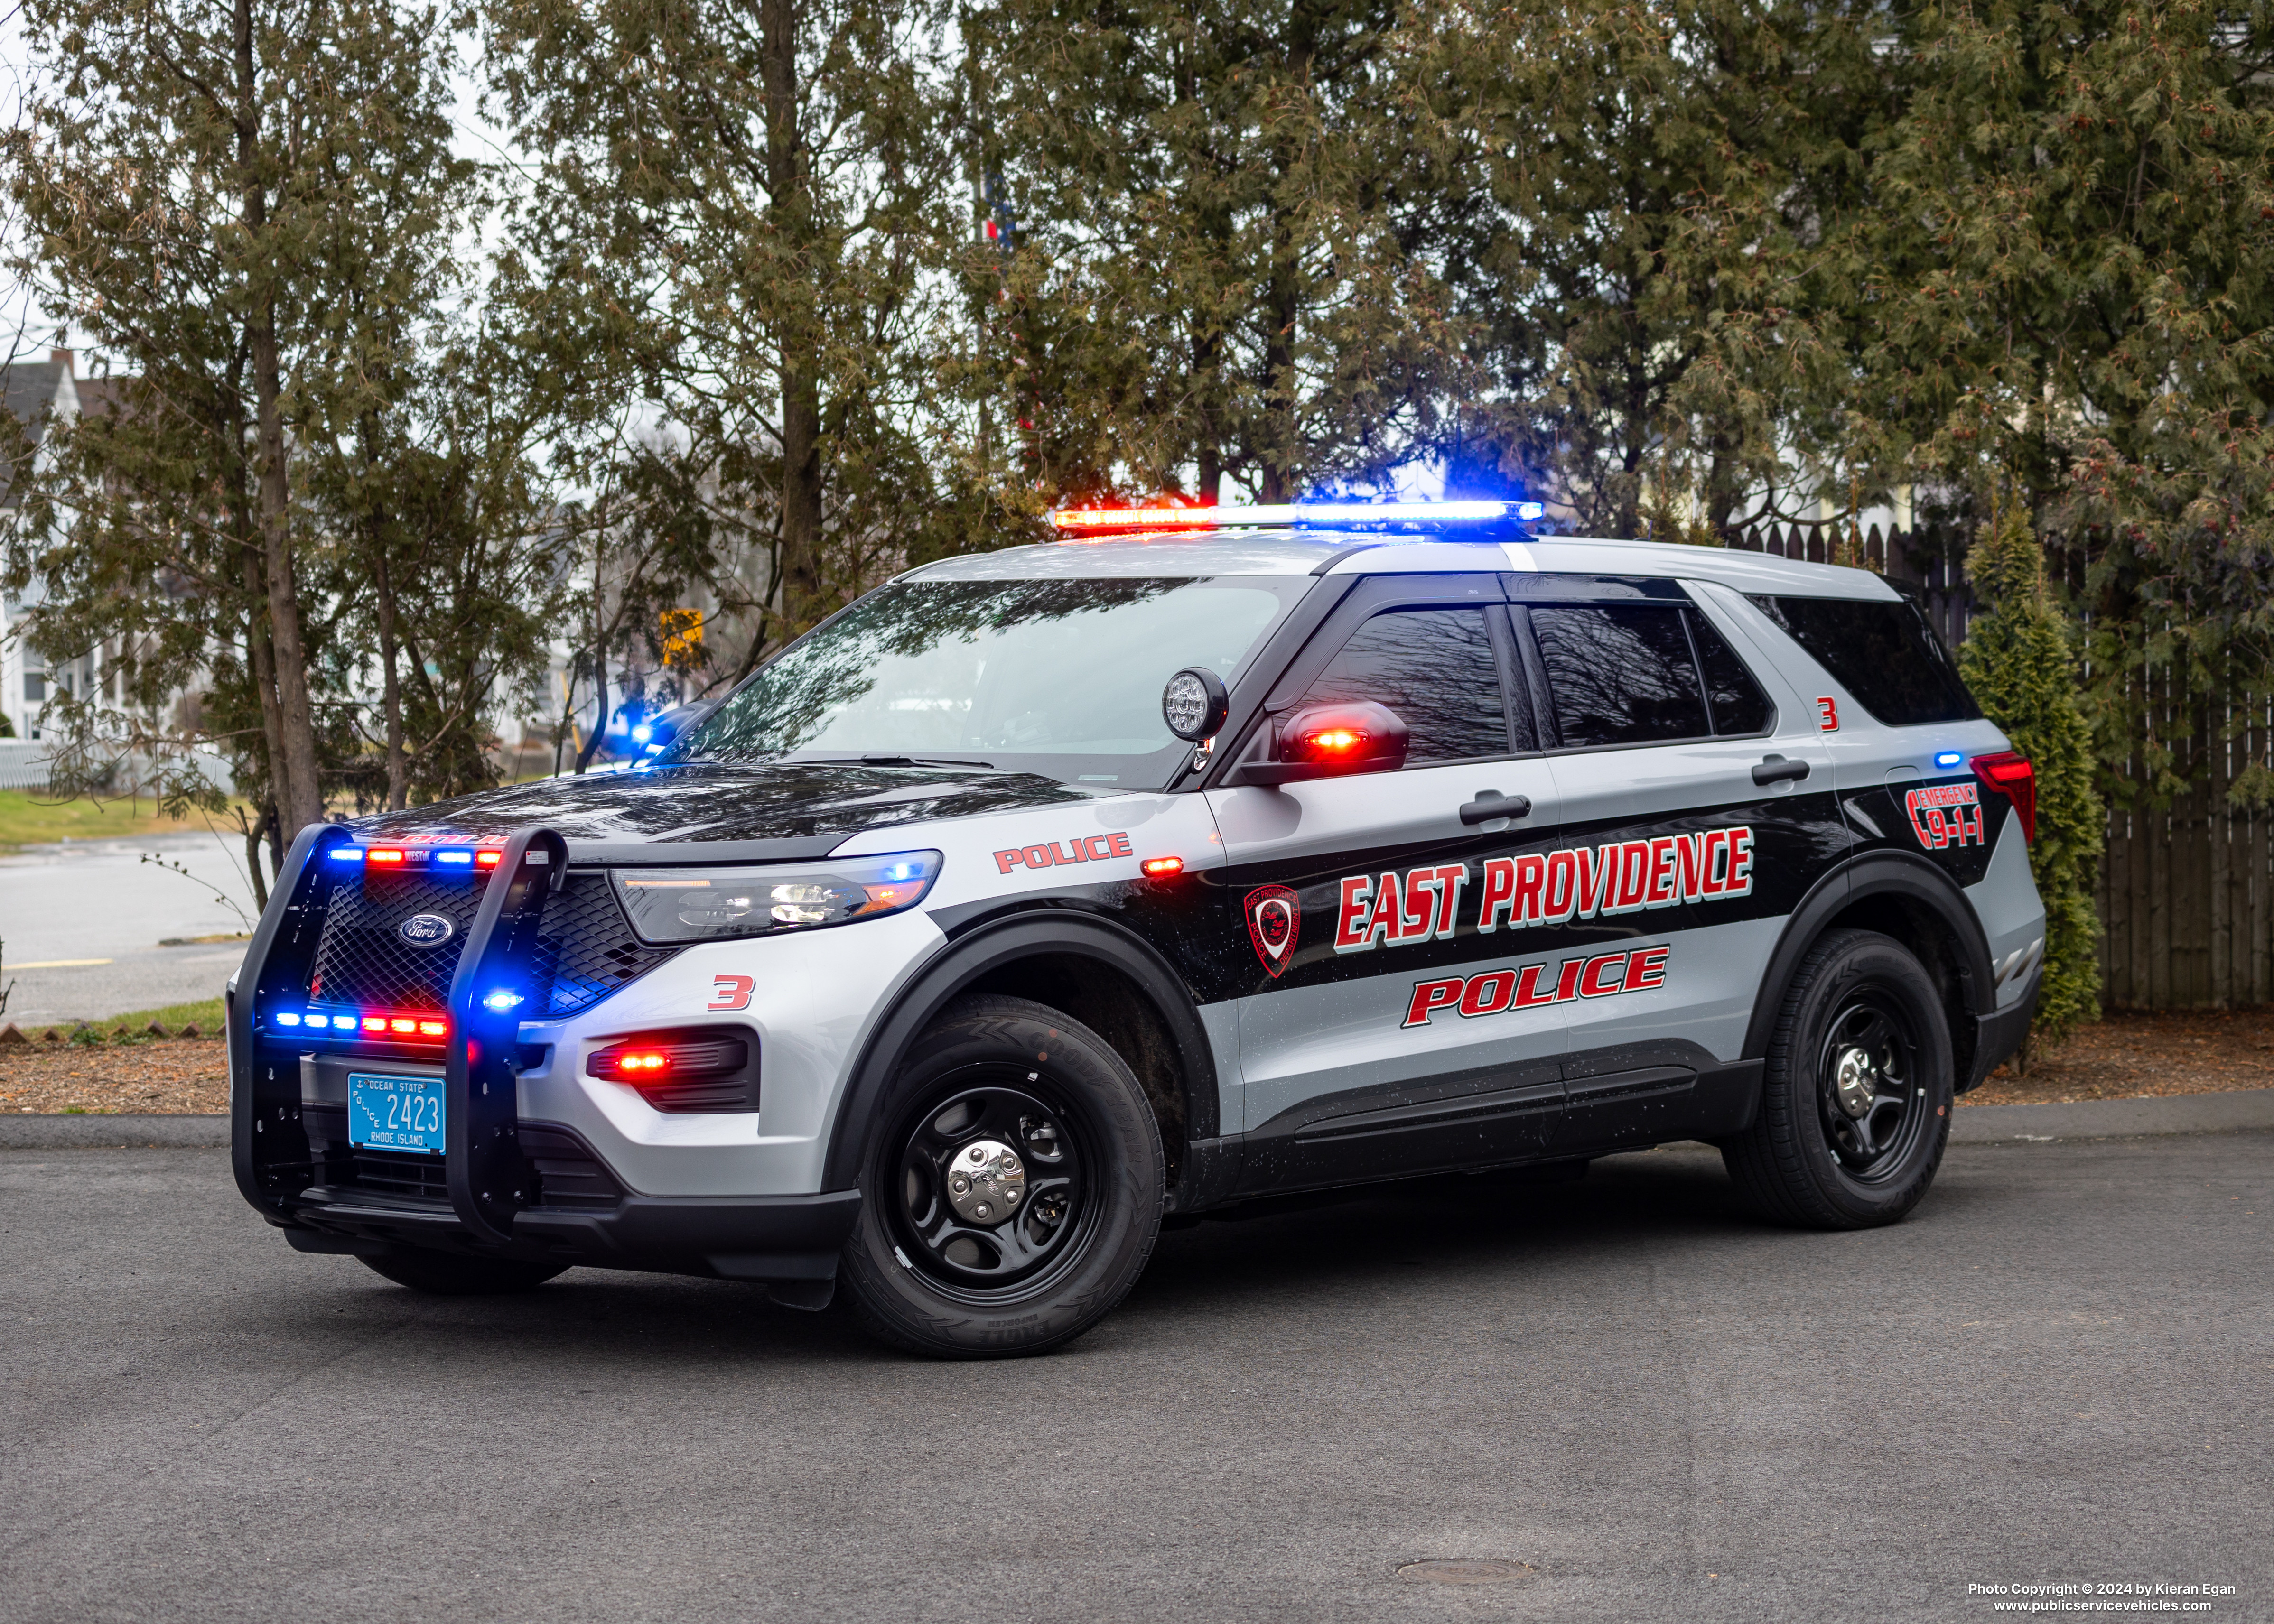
(1827, 715)
(731, 992)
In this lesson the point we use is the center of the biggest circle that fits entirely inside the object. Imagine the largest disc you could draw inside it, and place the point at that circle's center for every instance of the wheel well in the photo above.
(1935, 946)
(1116, 1008)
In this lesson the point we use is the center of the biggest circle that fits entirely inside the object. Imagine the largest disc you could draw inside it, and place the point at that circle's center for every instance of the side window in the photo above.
(1436, 669)
(1887, 654)
(1619, 673)
(1733, 699)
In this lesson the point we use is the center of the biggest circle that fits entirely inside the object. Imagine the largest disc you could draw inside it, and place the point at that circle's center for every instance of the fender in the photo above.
(988, 947)
(1896, 874)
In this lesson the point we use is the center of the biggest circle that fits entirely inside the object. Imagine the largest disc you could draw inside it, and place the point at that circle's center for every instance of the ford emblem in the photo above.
(426, 929)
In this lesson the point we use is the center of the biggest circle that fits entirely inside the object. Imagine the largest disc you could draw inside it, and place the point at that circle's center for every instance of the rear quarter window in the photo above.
(1885, 654)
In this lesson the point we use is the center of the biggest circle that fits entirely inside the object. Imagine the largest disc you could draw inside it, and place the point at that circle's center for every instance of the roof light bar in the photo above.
(1073, 521)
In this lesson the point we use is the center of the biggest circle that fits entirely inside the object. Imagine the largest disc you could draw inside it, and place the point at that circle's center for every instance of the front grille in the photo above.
(586, 948)
(569, 1175)
(390, 1172)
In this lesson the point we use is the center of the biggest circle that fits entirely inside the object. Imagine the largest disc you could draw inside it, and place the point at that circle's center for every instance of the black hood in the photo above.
(782, 810)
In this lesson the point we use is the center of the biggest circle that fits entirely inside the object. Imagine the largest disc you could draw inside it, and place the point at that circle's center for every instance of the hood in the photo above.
(784, 810)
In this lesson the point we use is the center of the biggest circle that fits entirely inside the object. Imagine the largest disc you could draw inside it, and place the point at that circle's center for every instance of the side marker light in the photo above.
(1162, 867)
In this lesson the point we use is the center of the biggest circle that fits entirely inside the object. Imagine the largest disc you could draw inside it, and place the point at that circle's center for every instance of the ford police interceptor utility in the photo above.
(1201, 856)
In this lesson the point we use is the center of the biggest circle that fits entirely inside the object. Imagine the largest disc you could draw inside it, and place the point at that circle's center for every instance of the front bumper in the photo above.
(530, 1187)
(787, 1242)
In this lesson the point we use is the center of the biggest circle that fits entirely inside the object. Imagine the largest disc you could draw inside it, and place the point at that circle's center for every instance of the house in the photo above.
(41, 394)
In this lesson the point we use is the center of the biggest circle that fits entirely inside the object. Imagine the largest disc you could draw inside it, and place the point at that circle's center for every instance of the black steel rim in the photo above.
(1870, 1098)
(1018, 1252)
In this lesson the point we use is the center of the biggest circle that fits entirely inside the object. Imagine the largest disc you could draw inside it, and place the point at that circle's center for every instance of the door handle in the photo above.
(1775, 769)
(1493, 804)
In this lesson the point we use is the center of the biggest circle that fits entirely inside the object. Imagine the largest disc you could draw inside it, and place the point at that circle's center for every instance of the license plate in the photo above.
(395, 1113)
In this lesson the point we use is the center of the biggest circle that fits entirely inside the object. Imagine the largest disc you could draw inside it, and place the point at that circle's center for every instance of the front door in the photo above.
(1390, 1023)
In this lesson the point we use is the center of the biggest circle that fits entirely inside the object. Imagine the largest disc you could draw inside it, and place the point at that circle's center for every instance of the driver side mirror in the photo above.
(1328, 741)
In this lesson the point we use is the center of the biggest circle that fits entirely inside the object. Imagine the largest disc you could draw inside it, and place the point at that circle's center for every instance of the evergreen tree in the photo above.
(1221, 232)
(2056, 273)
(740, 221)
(241, 206)
(2018, 659)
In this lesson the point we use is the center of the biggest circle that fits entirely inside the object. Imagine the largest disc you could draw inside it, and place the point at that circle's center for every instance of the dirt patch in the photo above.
(2129, 1056)
(166, 1075)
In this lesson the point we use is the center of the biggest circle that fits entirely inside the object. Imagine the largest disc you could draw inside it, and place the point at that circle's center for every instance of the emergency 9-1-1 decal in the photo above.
(1554, 888)
(1494, 992)
(1944, 814)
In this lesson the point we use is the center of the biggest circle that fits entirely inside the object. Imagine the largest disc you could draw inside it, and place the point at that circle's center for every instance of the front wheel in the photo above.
(1014, 1191)
(1855, 1093)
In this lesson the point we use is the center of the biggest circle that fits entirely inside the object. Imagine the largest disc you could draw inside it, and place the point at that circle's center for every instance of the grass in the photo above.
(27, 819)
(205, 1012)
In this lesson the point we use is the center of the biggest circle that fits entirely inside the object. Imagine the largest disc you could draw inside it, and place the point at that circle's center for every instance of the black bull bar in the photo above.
(787, 1242)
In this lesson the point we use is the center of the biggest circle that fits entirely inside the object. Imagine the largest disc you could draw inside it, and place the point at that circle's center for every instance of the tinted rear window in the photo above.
(1619, 674)
(1735, 700)
(1886, 655)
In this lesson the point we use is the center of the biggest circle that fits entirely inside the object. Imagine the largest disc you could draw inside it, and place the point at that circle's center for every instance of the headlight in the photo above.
(705, 904)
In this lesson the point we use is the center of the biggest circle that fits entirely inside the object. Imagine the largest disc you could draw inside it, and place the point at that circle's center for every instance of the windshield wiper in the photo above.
(893, 761)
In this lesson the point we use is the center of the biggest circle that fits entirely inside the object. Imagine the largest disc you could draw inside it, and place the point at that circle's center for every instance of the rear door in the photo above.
(1385, 1026)
(1686, 864)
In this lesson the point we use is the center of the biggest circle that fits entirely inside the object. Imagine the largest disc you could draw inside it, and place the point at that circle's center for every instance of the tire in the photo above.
(1013, 1187)
(1861, 1030)
(446, 1273)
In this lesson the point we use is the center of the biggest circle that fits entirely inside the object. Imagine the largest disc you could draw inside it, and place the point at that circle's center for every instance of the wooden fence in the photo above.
(2187, 890)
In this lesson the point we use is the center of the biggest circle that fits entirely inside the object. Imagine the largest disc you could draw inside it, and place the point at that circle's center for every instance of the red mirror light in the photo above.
(1360, 737)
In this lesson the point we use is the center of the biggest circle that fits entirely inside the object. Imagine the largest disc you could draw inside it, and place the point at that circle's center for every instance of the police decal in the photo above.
(1275, 925)
(1552, 888)
(1492, 992)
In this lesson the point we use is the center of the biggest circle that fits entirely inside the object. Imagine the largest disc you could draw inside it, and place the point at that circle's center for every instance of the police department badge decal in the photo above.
(1275, 924)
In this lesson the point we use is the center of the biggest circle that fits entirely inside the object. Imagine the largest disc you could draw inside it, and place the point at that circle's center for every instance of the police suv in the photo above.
(1201, 856)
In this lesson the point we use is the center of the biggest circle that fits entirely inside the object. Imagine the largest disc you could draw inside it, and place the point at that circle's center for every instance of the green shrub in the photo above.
(2018, 660)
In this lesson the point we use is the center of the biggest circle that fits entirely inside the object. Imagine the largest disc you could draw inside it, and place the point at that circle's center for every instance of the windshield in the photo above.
(1061, 677)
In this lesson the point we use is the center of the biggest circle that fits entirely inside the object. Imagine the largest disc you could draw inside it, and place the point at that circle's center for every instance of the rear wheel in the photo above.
(1855, 1092)
(1013, 1192)
(446, 1273)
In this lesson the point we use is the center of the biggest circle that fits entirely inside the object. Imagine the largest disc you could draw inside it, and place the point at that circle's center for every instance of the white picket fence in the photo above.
(24, 765)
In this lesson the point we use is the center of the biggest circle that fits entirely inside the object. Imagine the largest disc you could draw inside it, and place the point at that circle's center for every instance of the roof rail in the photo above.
(1075, 524)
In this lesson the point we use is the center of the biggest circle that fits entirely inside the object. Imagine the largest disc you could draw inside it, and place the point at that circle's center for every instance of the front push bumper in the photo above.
(494, 1196)
(786, 1242)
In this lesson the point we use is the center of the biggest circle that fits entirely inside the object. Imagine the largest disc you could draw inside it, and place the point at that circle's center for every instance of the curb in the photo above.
(1980, 1124)
(2109, 1119)
(92, 1132)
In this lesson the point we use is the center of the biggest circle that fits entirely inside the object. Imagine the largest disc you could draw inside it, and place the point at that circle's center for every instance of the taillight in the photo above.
(2012, 777)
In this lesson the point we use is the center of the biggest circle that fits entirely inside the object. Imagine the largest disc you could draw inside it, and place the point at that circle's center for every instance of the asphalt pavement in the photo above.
(1628, 1399)
(91, 914)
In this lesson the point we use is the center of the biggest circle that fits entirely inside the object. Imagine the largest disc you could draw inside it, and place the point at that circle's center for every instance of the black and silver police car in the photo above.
(1200, 857)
